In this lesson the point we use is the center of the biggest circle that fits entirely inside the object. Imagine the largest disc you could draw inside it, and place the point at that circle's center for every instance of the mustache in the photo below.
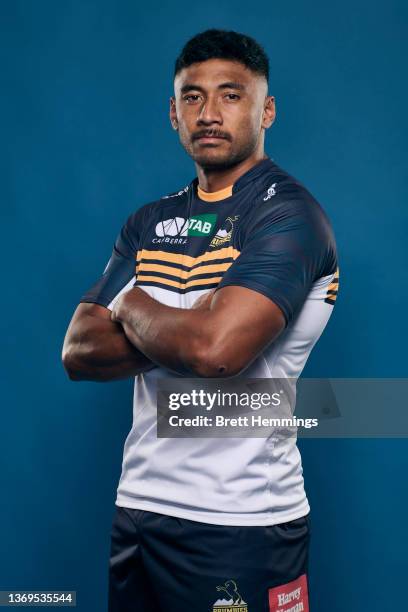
(211, 134)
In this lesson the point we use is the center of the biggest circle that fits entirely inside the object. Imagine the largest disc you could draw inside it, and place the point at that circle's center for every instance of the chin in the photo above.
(213, 160)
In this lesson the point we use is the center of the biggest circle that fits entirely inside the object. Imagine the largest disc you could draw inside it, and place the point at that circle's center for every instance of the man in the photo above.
(234, 275)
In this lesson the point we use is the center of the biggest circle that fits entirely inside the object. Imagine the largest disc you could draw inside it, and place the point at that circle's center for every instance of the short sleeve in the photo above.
(119, 274)
(286, 248)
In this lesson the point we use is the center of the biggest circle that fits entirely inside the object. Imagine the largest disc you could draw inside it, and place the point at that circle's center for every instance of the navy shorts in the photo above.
(162, 563)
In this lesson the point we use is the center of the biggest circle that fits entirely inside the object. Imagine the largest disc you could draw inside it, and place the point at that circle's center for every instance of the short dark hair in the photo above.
(224, 44)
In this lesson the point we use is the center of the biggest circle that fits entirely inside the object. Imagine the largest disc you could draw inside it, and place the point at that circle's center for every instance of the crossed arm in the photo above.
(219, 337)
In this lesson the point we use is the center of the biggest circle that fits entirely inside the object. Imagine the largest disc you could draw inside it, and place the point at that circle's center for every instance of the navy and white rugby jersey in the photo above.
(265, 232)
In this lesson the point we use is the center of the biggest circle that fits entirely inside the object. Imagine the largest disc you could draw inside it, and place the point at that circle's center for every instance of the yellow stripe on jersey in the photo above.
(166, 281)
(144, 267)
(187, 260)
(331, 294)
(149, 262)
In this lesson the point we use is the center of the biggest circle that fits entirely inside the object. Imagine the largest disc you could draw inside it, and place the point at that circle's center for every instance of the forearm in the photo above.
(219, 337)
(176, 338)
(100, 351)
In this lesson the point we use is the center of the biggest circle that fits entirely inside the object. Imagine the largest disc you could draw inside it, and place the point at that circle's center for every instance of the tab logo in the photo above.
(201, 225)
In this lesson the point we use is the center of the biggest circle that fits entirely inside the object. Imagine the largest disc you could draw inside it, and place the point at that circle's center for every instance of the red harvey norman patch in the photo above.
(290, 597)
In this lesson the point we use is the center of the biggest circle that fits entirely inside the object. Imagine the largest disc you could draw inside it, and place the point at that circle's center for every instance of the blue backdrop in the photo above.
(85, 141)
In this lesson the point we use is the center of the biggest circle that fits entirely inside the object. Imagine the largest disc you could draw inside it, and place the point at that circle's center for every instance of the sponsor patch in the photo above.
(290, 597)
(271, 192)
(199, 225)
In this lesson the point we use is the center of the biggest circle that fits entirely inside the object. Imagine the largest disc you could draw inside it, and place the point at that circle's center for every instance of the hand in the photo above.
(120, 306)
(115, 312)
(204, 301)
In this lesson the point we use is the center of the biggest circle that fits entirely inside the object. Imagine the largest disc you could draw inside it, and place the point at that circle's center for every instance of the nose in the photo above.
(209, 113)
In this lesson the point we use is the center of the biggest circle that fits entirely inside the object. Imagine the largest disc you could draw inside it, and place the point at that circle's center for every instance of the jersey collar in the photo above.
(214, 196)
(249, 176)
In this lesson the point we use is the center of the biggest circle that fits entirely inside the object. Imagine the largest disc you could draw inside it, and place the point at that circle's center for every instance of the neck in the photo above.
(214, 180)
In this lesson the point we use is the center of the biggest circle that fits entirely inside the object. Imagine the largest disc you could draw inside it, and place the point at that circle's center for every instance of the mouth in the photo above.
(210, 139)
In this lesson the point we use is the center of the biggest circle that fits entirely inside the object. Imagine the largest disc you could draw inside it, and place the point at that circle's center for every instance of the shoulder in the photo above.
(177, 194)
(155, 208)
(282, 201)
(279, 194)
(286, 214)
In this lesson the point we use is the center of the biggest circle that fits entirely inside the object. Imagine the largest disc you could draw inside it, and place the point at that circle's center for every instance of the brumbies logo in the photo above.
(224, 234)
(233, 601)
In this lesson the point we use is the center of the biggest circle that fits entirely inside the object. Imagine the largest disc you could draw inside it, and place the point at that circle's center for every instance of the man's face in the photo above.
(220, 109)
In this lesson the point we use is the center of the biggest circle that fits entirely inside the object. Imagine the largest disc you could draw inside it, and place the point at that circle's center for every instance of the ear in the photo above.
(269, 112)
(173, 113)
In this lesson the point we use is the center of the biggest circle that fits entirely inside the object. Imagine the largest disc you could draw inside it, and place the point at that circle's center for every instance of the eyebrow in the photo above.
(228, 85)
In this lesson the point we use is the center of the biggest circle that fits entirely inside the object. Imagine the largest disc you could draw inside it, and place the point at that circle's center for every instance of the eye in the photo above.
(191, 98)
(232, 96)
